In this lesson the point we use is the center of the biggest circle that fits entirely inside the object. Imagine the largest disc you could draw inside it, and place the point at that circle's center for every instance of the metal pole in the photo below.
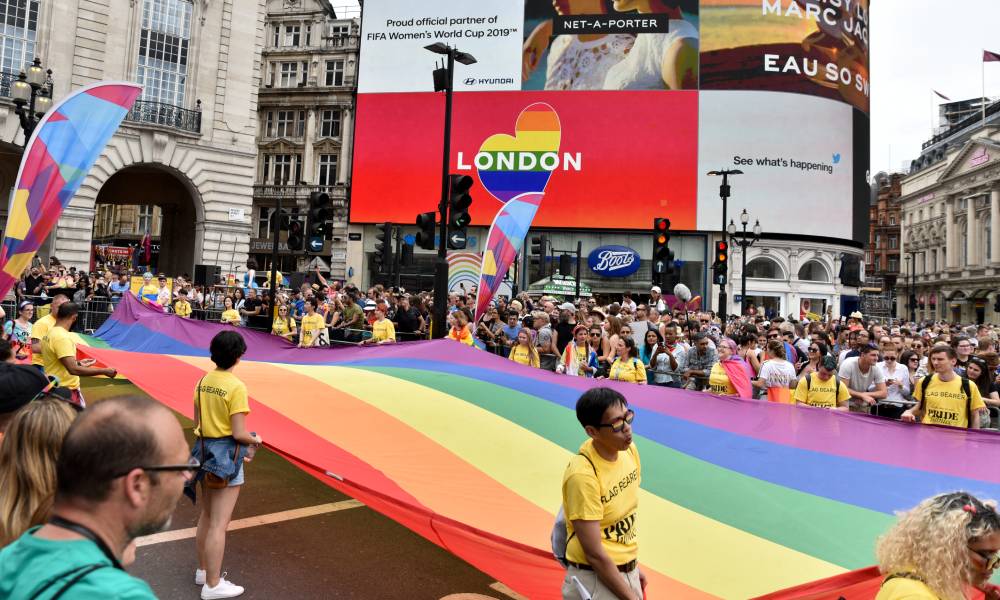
(274, 253)
(399, 255)
(579, 251)
(743, 272)
(722, 310)
(438, 324)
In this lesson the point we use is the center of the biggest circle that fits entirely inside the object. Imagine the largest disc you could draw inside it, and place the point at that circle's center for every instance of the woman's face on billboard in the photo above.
(579, 7)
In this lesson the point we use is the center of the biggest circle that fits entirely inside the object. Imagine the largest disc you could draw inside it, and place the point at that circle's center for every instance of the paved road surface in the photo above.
(293, 537)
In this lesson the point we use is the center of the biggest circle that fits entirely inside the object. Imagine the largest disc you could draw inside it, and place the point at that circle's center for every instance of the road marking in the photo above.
(278, 517)
(499, 587)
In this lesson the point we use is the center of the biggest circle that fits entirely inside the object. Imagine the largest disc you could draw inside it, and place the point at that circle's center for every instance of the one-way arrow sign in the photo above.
(457, 240)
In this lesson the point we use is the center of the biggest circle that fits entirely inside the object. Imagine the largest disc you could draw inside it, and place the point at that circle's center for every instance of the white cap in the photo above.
(656, 289)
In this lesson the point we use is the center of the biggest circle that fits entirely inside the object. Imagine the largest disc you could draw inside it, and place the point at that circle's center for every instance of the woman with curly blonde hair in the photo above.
(942, 548)
(28, 465)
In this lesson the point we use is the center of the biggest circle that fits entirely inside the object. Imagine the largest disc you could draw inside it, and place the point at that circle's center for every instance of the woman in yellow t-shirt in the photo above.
(229, 314)
(627, 366)
(941, 548)
(221, 408)
(283, 324)
(524, 351)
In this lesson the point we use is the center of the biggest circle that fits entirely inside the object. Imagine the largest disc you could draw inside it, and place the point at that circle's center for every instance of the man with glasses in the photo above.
(600, 493)
(963, 349)
(120, 472)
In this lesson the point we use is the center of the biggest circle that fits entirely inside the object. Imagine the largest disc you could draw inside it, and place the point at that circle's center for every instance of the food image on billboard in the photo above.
(817, 47)
(610, 45)
(797, 157)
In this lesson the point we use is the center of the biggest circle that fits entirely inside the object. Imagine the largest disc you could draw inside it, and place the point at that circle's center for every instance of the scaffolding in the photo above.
(878, 301)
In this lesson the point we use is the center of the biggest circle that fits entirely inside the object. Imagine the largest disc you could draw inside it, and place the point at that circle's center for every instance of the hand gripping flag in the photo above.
(536, 133)
(60, 153)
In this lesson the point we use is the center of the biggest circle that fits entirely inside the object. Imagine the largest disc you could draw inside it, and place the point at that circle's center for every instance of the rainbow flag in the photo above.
(738, 498)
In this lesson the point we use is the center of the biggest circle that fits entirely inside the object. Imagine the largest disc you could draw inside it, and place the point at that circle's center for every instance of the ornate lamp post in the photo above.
(744, 241)
(32, 95)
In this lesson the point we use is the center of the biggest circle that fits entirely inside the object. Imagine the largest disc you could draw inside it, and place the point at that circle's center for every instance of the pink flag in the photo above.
(990, 56)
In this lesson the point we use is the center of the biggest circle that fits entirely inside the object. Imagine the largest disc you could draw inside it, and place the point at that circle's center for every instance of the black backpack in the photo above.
(836, 390)
(966, 389)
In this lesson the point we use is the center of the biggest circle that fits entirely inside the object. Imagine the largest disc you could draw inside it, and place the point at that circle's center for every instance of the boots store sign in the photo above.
(613, 261)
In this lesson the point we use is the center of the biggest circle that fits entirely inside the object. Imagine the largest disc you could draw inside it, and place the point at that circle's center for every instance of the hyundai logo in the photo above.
(470, 81)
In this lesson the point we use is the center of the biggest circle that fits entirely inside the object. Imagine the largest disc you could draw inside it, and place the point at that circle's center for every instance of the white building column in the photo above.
(971, 233)
(995, 226)
(950, 235)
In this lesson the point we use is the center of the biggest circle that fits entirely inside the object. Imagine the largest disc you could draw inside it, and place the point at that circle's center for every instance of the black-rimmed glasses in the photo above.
(618, 426)
(189, 469)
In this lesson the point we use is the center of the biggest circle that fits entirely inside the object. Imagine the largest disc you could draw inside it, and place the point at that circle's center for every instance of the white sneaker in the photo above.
(225, 589)
(199, 576)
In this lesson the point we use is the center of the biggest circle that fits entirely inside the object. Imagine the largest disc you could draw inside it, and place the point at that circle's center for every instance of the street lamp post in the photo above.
(32, 95)
(744, 242)
(724, 192)
(444, 80)
(911, 264)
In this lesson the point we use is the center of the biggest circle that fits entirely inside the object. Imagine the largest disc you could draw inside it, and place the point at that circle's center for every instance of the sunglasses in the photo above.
(618, 426)
(914, 360)
(773, 337)
(814, 349)
(992, 559)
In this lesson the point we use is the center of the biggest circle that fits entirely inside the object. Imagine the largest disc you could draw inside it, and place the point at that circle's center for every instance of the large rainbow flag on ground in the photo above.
(738, 498)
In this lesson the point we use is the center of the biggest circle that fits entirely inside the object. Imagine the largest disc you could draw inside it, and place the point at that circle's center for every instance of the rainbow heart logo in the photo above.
(511, 166)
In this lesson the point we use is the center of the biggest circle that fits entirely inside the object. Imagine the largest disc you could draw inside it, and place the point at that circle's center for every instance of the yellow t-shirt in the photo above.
(612, 497)
(224, 395)
(149, 292)
(945, 402)
(182, 308)
(631, 370)
(718, 382)
(38, 332)
(383, 330)
(56, 345)
(819, 393)
(280, 327)
(231, 316)
(523, 356)
(311, 324)
(904, 588)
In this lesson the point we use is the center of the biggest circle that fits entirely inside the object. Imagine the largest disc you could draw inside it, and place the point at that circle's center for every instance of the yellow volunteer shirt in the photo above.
(945, 402)
(231, 316)
(523, 356)
(902, 588)
(383, 330)
(182, 308)
(224, 395)
(280, 327)
(718, 382)
(631, 370)
(311, 324)
(56, 345)
(821, 394)
(38, 332)
(611, 497)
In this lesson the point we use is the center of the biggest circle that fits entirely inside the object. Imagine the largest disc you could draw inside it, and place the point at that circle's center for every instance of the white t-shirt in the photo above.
(578, 65)
(899, 391)
(851, 374)
(642, 69)
(778, 373)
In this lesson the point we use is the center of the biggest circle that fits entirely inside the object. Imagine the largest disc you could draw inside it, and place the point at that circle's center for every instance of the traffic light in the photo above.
(996, 305)
(319, 226)
(663, 257)
(295, 239)
(383, 247)
(721, 266)
(539, 248)
(279, 221)
(459, 218)
(425, 235)
(406, 255)
(565, 265)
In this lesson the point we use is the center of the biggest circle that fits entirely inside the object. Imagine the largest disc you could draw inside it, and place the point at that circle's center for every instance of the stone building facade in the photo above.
(189, 145)
(882, 257)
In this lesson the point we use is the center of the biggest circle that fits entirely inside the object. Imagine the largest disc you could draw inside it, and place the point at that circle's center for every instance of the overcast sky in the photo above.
(919, 45)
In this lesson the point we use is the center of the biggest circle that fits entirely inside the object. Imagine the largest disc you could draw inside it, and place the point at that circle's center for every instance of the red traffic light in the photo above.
(722, 246)
(661, 224)
(722, 251)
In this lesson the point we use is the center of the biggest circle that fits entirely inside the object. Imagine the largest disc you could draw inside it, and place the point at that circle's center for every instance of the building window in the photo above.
(264, 222)
(338, 30)
(163, 50)
(289, 74)
(329, 123)
(276, 39)
(292, 36)
(327, 169)
(813, 271)
(868, 258)
(17, 38)
(892, 220)
(335, 72)
(145, 219)
(893, 265)
(290, 123)
(309, 31)
(282, 169)
(893, 242)
(763, 268)
(881, 220)
(878, 241)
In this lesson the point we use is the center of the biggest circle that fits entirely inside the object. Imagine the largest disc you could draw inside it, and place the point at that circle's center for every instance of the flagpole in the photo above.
(982, 65)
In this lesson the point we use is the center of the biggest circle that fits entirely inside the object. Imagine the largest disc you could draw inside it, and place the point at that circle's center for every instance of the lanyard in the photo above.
(87, 533)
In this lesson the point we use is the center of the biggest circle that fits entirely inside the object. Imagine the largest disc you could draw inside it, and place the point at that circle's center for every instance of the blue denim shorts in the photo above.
(239, 479)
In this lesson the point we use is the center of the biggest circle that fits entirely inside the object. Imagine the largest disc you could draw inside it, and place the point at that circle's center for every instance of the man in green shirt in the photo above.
(119, 475)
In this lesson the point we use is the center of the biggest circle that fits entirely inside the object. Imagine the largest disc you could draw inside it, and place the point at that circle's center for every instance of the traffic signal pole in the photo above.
(438, 322)
(274, 252)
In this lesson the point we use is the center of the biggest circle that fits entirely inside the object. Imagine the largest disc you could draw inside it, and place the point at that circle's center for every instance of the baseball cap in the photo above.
(656, 289)
(18, 385)
(567, 306)
(857, 315)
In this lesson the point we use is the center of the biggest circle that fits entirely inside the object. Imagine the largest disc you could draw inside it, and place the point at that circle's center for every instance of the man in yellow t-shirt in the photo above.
(182, 308)
(312, 323)
(41, 328)
(600, 493)
(822, 389)
(949, 398)
(383, 331)
(59, 354)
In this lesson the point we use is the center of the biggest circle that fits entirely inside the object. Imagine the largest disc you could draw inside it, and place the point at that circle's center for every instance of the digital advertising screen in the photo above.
(613, 110)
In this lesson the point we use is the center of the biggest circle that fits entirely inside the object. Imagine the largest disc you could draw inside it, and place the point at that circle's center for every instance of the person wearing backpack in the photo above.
(944, 397)
(600, 494)
(822, 389)
(627, 366)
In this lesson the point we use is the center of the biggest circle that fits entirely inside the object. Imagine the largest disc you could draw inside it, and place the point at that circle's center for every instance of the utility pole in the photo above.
(276, 222)
(724, 193)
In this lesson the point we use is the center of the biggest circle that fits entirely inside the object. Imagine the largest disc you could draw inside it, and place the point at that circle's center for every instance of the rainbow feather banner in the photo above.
(537, 132)
(738, 498)
(57, 158)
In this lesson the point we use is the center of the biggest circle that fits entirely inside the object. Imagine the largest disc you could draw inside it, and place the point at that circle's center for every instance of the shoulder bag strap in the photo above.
(593, 466)
(968, 401)
(809, 380)
(201, 420)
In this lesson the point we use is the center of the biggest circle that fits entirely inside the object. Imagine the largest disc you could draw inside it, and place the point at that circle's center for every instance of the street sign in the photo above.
(237, 214)
(316, 243)
(457, 240)
(737, 298)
